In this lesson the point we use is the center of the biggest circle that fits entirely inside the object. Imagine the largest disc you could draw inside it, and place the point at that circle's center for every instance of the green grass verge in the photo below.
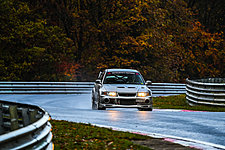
(179, 102)
(70, 135)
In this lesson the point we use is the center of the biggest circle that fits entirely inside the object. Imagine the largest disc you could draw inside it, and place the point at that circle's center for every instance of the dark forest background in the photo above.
(71, 40)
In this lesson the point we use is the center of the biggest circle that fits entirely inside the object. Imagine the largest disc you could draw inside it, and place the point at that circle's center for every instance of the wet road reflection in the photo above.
(114, 115)
(144, 115)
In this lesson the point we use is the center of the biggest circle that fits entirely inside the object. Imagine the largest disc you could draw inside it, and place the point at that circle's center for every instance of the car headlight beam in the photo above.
(113, 94)
(142, 94)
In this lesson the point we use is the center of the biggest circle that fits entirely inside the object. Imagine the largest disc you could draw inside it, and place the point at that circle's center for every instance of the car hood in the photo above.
(125, 88)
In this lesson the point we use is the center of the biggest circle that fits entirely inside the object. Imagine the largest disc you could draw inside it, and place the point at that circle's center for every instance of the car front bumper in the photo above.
(126, 106)
(126, 102)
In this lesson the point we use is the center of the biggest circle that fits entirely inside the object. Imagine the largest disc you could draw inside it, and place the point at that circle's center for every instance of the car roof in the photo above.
(121, 70)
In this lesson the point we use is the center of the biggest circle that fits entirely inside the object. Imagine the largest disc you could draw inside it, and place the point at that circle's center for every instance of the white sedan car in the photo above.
(121, 88)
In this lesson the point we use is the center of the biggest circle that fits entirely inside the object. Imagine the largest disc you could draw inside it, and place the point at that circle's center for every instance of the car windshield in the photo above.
(123, 78)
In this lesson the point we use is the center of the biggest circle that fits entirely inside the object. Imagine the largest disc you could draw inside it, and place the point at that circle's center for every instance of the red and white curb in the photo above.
(174, 139)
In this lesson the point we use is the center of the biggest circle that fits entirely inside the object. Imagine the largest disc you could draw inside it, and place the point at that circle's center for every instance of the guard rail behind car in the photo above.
(163, 89)
(209, 91)
(77, 88)
(45, 87)
(24, 126)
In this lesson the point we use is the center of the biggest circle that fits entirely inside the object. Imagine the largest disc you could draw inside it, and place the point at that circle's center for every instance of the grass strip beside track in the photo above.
(179, 102)
(70, 135)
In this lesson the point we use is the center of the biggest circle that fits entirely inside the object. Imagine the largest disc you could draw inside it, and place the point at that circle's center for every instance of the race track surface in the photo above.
(202, 126)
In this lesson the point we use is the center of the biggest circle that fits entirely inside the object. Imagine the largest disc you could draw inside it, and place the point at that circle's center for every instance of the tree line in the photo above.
(71, 40)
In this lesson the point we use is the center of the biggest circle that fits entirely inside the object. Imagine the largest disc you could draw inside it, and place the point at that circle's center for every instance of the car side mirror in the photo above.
(98, 81)
(148, 82)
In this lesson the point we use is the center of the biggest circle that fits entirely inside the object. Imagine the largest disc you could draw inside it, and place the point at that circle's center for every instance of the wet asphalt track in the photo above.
(201, 126)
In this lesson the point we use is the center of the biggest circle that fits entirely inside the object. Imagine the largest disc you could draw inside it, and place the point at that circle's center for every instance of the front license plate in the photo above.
(140, 100)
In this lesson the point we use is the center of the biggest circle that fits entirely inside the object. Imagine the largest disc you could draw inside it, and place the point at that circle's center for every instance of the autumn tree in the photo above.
(73, 39)
(210, 13)
(30, 47)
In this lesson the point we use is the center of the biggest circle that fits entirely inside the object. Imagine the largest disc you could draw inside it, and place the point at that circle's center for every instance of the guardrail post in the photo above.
(25, 116)
(13, 117)
(1, 120)
(33, 114)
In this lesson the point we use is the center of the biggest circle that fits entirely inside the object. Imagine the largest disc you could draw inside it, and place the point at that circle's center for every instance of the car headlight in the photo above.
(142, 94)
(112, 94)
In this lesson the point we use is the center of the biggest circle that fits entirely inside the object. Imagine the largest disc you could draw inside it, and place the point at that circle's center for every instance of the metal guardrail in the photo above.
(162, 89)
(209, 91)
(24, 126)
(77, 88)
(45, 87)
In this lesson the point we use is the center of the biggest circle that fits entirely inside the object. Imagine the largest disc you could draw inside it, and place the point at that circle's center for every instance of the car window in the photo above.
(123, 78)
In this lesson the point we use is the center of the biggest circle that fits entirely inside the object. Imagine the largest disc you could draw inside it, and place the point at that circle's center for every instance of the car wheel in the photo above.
(145, 109)
(94, 107)
(99, 107)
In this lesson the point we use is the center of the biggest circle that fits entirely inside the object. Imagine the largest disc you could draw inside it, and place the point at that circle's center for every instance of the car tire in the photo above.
(100, 108)
(94, 107)
(97, 106)
(145, 109)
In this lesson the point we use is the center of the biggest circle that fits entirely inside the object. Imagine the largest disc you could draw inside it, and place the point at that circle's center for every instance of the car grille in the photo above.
(127, 101)
(127, 94)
